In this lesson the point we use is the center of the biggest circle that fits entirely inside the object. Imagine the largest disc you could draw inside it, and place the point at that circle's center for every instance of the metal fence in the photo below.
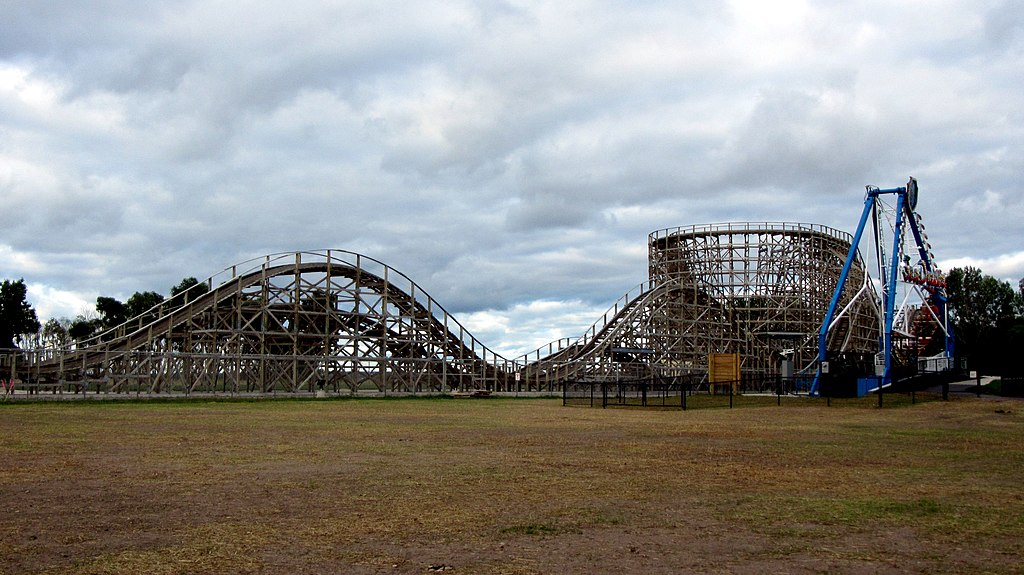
(695, 392)
(675, 392)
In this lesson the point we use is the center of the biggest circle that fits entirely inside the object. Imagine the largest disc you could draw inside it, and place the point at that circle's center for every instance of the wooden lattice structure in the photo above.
(766, 286)
(306, 321)
(338, 321)
(759, 290)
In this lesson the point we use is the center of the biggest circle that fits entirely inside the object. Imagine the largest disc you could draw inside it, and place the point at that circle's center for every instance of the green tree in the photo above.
(1019, 300)
(983, 312)
(55, 332)
(187, 290)
(141, 304)
(17, 317)
(112, 311)
(82, 328)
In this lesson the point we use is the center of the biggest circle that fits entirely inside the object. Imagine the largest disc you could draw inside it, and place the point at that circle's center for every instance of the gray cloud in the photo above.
(499, 154)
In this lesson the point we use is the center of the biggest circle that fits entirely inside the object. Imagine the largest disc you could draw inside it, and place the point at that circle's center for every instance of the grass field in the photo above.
(509, 487)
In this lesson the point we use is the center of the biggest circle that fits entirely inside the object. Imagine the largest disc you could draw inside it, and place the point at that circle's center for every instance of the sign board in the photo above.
(824, 367)
(724, 368)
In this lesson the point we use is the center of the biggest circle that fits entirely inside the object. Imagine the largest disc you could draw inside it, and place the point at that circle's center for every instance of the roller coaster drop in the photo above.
(346, 323)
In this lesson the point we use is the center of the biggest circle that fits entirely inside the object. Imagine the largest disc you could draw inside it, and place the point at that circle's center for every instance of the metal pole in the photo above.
(890, 295)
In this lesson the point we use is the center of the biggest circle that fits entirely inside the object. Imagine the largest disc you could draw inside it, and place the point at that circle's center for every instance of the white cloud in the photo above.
(530, 328)
(986, 202)
(16, 264)
(52, 303)
(18, 84)
(1008, 267)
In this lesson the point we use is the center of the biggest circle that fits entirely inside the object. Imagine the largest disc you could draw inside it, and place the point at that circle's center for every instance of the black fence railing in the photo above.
(668, 392)
(677, 392)
(695, 392)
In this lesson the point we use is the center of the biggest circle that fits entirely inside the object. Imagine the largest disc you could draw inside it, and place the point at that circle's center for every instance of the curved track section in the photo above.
(305, 321)
(764, 289)
(756, 289)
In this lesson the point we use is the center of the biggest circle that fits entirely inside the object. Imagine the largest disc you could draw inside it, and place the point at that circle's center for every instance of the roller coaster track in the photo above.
(629, 340)
(589, 356)
(290, 324)
(250, 334)
(339, 321)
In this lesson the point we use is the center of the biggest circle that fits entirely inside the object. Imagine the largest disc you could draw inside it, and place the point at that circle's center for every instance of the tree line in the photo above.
(19, 325)
(988, 321)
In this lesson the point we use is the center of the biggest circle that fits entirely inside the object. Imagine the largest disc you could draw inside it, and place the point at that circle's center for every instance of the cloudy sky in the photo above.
(511, 157)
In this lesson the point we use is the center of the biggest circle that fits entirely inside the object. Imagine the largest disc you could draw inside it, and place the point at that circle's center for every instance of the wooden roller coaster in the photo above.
(341, 322)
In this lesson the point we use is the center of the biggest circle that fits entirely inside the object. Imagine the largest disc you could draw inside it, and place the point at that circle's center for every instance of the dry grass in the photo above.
(507, 486)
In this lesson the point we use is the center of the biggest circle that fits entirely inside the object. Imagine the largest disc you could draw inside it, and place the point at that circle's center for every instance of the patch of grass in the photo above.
(861, 511)
(321, 486)
(531, 529)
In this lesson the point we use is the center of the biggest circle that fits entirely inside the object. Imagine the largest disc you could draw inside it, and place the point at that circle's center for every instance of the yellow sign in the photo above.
(724, 369)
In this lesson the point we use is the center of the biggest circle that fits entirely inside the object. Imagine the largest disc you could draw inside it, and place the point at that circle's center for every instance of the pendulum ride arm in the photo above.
(889, 297)
(938, 294)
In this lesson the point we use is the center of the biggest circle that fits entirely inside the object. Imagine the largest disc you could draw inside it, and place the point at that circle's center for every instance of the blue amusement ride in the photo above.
(914, 306)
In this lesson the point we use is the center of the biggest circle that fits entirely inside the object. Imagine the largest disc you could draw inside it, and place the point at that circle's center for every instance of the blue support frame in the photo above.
(889, 295)
(904, 208)
(869, 204)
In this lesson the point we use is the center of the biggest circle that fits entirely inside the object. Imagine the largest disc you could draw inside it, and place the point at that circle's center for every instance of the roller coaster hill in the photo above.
(771, 295)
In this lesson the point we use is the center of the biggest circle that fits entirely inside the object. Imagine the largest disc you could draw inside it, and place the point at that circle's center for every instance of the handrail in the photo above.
(749, 227)
(282, 263)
